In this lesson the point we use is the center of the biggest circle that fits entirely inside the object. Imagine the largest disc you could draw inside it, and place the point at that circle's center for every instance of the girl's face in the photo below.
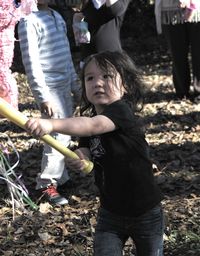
(102, 88)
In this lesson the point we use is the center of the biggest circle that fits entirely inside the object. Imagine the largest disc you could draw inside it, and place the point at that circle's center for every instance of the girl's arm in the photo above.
(75, 126)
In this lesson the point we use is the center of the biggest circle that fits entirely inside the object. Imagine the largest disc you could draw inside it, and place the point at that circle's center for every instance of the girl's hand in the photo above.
(76, 164)
(39, 127)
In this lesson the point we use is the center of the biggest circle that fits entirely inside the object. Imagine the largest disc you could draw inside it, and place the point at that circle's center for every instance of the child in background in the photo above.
(111, 136)
(50, 71)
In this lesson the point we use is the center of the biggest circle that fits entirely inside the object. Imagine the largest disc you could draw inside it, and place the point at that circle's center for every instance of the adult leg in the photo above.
(148, 232)
(178, 40)
(109, 235)
(194, 32)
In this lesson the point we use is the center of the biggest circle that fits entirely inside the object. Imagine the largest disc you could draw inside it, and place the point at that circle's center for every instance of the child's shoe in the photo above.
(53, 196)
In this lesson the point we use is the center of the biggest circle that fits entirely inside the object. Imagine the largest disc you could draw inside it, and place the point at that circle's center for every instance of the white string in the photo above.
(18, 191)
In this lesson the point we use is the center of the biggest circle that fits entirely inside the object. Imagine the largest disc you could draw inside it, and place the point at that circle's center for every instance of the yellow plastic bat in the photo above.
(20, 119)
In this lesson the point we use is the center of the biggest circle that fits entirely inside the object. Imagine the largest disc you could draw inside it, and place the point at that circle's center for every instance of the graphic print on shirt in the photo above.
(98, 151)
(96, 147)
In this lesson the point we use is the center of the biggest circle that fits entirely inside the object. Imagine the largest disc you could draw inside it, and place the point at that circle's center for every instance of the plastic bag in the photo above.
(81, 32)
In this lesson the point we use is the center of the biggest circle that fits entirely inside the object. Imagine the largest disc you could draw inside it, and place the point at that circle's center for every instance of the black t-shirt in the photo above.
(123, 171)
(104, 25)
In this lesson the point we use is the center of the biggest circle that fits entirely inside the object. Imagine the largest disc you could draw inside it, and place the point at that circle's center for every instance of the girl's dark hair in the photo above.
(116, 62)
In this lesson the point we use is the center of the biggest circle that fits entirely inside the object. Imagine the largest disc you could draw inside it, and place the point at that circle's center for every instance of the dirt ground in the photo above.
(173, 132)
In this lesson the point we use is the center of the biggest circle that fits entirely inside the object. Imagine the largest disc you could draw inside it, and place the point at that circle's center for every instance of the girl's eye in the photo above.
(89, 78)
(107, 76)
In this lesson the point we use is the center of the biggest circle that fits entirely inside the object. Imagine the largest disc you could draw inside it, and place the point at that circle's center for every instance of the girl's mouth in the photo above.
(98, 93)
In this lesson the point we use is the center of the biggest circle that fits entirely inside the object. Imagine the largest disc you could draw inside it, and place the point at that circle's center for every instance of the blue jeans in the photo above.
(112, 231)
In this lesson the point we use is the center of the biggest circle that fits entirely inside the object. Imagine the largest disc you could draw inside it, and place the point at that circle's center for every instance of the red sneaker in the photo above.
(53, 196)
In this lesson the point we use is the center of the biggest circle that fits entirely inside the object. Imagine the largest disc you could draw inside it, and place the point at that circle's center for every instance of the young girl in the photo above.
(111, 136)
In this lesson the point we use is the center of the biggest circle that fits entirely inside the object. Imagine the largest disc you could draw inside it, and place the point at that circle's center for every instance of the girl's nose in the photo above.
(99, 82)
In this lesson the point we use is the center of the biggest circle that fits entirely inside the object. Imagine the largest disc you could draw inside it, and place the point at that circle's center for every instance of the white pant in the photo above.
(53, 169)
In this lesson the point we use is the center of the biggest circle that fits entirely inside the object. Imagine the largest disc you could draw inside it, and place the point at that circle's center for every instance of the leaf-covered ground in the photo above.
(173, 132)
